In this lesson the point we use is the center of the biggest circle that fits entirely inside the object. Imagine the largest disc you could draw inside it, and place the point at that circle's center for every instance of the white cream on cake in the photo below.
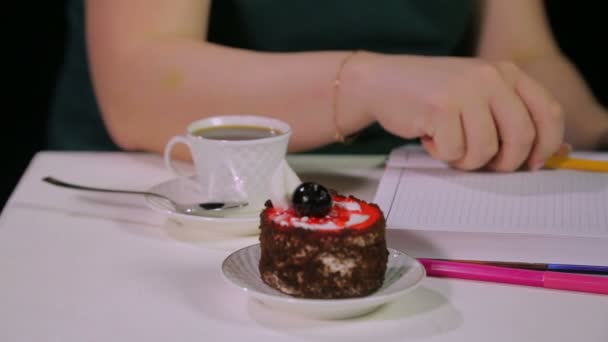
(350, 206)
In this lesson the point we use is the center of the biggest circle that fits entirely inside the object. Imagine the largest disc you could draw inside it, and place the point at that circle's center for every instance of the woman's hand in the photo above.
(468, 112)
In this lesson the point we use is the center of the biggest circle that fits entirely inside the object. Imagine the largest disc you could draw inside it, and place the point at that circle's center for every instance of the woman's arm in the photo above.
(154, 72)
(517, 30)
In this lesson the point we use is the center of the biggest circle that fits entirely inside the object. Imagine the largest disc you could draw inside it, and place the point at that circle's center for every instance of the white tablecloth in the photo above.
(78, 266)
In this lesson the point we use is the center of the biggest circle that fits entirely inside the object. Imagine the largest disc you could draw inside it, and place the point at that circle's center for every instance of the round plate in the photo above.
(185, 190)
(403, 274)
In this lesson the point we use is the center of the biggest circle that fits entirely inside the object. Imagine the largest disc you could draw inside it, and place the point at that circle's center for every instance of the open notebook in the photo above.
(549, 216)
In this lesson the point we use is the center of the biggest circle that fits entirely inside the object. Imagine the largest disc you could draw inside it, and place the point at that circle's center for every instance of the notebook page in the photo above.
(430, 196)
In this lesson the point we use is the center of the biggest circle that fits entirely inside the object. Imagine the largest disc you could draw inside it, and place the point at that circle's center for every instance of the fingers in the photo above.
(473, 114)
(529, 122)
(481, 138)
(447, 142)
(464, 143)
(547, 117)
(510, 121)
(515, 127)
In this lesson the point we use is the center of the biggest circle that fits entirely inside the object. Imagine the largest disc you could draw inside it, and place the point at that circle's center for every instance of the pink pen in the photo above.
(547, 279)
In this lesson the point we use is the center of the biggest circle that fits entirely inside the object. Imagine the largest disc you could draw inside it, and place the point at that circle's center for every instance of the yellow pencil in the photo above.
(565, 162)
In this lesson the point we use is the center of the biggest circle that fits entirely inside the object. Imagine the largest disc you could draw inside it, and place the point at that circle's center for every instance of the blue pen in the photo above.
(601, 270)
(578, 268)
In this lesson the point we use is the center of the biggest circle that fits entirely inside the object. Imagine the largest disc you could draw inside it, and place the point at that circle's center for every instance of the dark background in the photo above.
(36, 55)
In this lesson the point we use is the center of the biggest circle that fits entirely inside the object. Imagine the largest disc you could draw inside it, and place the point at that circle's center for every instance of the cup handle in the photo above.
(178, 139)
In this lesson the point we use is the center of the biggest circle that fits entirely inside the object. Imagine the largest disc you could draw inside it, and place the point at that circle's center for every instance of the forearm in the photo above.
(154, 90)
(586, 120)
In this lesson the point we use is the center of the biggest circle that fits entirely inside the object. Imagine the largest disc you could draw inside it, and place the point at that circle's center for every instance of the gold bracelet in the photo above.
(341, 138)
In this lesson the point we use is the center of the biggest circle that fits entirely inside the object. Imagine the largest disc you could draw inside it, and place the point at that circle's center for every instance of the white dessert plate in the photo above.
(240, 221)
(403, 274)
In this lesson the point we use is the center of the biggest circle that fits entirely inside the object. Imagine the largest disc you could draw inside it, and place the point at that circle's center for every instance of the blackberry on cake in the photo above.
(324, 245)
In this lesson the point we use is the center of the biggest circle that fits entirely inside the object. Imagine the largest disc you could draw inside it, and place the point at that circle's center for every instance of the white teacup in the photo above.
(251, 170)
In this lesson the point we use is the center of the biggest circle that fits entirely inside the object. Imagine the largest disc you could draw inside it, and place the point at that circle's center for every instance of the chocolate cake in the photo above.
(324, 245)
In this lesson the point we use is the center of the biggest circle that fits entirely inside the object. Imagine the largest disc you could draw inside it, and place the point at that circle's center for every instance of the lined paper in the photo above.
(420, 193)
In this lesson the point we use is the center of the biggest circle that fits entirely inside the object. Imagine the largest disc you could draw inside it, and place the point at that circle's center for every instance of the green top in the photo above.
(424, 27)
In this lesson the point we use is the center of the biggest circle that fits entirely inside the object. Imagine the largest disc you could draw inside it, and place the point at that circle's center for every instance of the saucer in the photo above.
(238, 221)
(403, 274)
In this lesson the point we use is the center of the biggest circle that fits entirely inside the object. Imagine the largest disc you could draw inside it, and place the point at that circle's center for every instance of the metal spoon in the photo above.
(192, 209)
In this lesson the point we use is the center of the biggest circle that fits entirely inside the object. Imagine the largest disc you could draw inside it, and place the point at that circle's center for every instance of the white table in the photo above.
(80, 267)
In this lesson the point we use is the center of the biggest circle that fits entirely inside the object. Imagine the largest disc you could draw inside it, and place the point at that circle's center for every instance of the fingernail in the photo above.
(564, 150)
(537, 165)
